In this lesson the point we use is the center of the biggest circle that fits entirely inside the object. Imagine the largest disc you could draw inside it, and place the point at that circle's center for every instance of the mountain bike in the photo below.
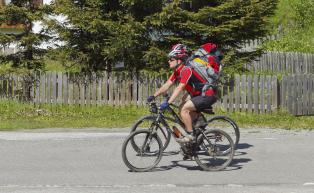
(142, 150)
(164, 130)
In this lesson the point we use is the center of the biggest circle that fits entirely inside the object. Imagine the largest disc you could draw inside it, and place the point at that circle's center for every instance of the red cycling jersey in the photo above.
(192, 80)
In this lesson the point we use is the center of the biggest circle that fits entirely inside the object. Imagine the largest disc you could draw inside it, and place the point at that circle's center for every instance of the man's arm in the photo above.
(176, 92)
(163, 88)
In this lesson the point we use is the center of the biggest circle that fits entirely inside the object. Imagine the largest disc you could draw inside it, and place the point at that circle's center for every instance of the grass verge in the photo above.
(282, 120)
(16, 115)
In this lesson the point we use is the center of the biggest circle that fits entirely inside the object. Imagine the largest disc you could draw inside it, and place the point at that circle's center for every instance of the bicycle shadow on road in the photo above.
(179, 164)
(237, 162)
(242, 146)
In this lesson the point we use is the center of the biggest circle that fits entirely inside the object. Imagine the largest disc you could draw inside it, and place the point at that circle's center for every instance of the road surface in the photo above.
(89, 160)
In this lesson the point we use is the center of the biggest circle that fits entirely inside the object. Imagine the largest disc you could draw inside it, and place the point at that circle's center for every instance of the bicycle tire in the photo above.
(164, 133)
(216, 163)
(155, 154)
(235, 136)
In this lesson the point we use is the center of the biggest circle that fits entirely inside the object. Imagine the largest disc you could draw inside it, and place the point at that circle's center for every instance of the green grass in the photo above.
(15, 115)
(49, 65)
(295, 40)
(53, 65)
(281, 120)
(56, 65)
(297, 27)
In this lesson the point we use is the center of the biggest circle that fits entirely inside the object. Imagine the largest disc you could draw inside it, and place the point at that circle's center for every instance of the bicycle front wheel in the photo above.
(148, 154)
(214, 151)
(149, 122)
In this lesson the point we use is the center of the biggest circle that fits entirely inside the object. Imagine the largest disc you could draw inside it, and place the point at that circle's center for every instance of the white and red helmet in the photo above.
(178, 51)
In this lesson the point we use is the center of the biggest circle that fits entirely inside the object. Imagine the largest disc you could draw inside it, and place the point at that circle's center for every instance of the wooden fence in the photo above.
(247, 93)
(283, 62)
(297, 94)
(257, 93)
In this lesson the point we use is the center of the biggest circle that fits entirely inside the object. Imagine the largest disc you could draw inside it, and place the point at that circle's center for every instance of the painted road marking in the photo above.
(308, 184)
(268, 138)
(235, 185)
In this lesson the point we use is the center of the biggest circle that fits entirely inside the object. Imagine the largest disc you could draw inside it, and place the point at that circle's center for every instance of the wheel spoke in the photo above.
(211, 145)
(149, 122)
(145, 156)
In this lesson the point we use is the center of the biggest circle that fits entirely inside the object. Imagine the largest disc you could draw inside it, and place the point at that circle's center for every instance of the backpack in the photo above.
(206, 62)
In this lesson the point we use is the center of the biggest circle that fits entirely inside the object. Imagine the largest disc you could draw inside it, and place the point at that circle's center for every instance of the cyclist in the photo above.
(196, 98)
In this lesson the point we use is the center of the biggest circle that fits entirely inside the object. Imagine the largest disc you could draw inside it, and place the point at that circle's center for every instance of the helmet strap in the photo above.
(178, 64)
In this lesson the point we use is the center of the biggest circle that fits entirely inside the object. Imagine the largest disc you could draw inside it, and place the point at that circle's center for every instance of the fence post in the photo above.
(275, 93)
(293, 90)
(140, 89)
(237, 92)
(37, 83)
(82, 91)
(99, 89)
(122, 89)
(70, 89)
(269, 92)
(105, 88)
(255, 94)
(262, 93)
(110, 89)
(42, 88)
(311, 95)
(134, 88)
(231, 91)
(249, 93)
(77, 86)
(116, 89)
(65, 88)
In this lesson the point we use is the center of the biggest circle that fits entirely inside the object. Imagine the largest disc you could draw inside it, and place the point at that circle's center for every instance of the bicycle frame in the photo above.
(176, 119)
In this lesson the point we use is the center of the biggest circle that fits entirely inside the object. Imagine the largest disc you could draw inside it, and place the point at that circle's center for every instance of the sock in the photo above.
(189, 133)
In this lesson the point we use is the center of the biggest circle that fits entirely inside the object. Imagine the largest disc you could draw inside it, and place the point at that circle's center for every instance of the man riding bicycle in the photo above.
(196, 99)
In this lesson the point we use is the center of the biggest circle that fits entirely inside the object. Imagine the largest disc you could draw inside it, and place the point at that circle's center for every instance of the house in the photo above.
(13, 28)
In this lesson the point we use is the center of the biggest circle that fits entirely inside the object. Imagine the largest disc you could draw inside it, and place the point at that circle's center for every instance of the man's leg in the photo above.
(184, 98)
(188, 114)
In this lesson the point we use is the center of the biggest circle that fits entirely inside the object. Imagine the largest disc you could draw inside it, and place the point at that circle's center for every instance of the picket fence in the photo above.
(246, 93)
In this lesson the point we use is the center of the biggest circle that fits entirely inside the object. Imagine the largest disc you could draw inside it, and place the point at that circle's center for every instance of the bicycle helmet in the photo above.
(178, 51)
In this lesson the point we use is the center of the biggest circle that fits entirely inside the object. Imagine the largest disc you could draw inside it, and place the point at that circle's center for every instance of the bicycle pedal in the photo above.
(187, 157)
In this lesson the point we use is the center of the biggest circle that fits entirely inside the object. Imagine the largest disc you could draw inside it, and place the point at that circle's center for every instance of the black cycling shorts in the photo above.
(203, 102)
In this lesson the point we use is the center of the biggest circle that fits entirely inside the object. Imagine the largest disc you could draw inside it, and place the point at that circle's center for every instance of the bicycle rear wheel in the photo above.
(148, 154)
(149, 122)
(226, 124)
(215, 151)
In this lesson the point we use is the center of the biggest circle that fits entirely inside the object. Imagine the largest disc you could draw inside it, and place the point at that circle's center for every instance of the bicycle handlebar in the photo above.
(153, 104)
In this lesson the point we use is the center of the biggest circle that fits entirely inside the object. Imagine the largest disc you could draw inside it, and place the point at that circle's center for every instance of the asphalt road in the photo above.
(89, 160)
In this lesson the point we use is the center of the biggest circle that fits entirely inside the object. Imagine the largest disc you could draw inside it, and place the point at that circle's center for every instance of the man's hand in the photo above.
(164, 105)
(150, 99)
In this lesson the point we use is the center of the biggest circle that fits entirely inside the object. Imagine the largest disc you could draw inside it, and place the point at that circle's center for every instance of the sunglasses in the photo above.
(171, 59)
